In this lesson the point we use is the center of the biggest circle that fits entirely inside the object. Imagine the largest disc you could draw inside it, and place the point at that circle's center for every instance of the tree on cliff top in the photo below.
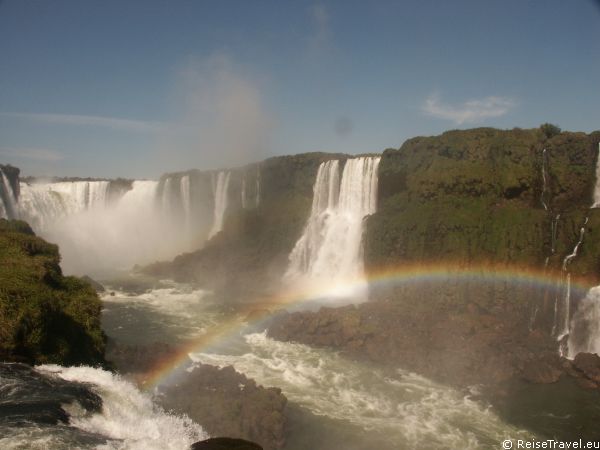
(550, 130)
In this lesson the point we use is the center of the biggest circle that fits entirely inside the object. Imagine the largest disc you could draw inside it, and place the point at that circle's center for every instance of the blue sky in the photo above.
(137, 88)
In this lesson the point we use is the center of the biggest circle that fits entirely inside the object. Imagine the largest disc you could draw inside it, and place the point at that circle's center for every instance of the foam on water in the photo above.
(175, 300)
(129, 418)
(409, 409)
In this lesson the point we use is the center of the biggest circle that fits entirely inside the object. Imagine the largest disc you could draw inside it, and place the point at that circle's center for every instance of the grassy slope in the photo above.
(45, 317)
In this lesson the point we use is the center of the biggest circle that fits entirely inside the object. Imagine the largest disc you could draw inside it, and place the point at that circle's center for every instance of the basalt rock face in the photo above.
(227, 403)
(251, 252)
(45, 317)
(473, 212)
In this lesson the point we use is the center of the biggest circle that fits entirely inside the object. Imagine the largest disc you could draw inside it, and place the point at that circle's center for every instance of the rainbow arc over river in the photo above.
(396, 276)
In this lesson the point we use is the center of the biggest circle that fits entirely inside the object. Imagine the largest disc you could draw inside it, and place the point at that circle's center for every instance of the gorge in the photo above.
(443, 292)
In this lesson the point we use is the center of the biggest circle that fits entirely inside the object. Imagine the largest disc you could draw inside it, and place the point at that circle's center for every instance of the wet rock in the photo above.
(454, 345)
(541, 372)
(589, 365)
(226, 402)
(223, 443)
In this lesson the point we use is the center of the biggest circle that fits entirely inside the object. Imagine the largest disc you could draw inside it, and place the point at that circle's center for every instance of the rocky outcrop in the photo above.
(459, 346)
(223, 401)
(45, 317)
(227, 403)
(225, 444)
(588, 366)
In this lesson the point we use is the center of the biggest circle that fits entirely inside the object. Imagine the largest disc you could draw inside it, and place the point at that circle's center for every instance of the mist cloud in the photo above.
(320, 39)
(221, 119)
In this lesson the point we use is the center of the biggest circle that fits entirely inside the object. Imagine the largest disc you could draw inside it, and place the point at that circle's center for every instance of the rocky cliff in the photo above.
(45, 317)
(453, 208)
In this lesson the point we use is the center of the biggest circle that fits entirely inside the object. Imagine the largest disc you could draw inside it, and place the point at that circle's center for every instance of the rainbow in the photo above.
(396, 276)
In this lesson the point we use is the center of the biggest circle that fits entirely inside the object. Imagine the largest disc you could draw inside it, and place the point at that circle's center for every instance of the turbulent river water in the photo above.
(335, 402)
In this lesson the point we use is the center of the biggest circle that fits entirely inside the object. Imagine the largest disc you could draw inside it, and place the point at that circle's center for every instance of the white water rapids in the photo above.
(406, 410)
(128, 420)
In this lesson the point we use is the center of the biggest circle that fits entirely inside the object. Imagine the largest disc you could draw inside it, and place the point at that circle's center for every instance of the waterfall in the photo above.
(184, 187)
(44, 203)
(244, 203)
(542, 197)
(8, 204)
(257, 199)
(585, 333)
(220, 189)
(330, 248)
(573, 254)
(596, 203)
(565, 286)
(554, 232)
(166, 195)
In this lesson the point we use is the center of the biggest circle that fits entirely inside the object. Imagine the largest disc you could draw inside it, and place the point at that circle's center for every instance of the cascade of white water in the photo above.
(10, 207)
(221, 190)
(244, 202)
(567, 304)
(165, 198)
(585, 333)
(43, 203)
(8, 192)
(596, 203)
(542, 197)
(184, 187)
(554, 232)
(330, 249)
(573, 254)
(257, 200)
(565, 286)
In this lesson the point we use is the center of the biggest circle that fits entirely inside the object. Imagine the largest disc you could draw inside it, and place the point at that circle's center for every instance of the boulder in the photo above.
(226, 402)
(223, 443)
(541, 372)
(589, 365)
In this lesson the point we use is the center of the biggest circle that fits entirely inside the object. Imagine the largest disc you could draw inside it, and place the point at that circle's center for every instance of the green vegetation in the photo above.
(45, 317)
(476, 195)
(549, 130)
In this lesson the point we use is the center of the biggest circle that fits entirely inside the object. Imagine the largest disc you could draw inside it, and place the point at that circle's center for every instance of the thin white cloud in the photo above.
(37, 154)
(93, 121)
(320, 39)
(471, 111)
